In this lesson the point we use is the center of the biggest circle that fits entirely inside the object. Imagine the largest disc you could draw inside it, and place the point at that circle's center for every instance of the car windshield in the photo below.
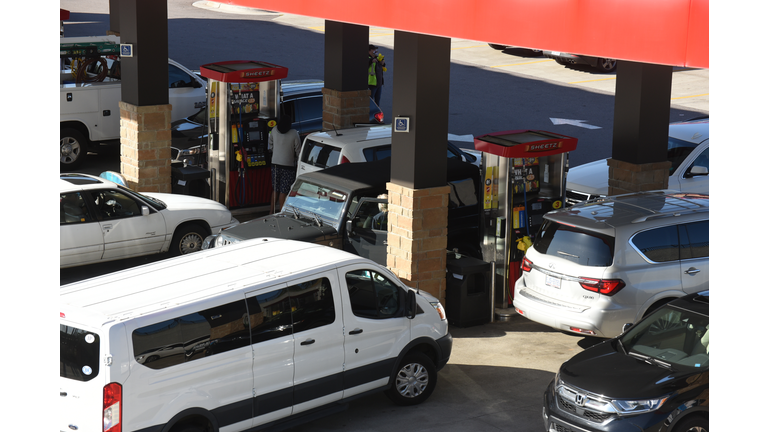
(312, 200)
(159, 205)
(677, 151)
(670, 337)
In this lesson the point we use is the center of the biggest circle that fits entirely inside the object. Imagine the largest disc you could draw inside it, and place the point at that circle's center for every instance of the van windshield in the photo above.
(79, 353)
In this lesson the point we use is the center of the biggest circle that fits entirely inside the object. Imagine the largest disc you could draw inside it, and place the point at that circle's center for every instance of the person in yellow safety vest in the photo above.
(376, 69)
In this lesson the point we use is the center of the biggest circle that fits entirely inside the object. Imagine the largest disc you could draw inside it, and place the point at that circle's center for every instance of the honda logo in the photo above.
(580, 398)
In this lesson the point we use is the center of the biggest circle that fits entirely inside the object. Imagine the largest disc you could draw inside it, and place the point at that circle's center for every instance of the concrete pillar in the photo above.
(640, 128)
(417, 236)
(346, 98)
(145, 147)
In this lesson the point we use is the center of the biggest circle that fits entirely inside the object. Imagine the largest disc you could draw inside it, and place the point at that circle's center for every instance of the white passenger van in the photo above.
(241, 338)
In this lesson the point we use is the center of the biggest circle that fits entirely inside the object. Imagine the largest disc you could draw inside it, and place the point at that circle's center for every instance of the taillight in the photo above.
(113, 407)
(527, 265)
(379, 116)
(344, 160)
(607, 287)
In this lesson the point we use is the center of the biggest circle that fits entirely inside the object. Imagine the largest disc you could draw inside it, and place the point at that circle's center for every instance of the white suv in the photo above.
(687, 150)
(596, 266)
(322, 150)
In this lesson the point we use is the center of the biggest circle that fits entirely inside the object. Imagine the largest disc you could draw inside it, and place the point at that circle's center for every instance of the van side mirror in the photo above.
(410, 304)
(144, 210)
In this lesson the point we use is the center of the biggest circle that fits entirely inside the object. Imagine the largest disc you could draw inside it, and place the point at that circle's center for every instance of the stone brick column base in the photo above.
(344, 109)
(625, 177)
(418, 236)
(145, 147)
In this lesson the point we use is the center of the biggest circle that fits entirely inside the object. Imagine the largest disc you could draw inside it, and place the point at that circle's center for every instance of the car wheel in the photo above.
(188, 239)
(414, 381)
(606, 65)
(692, 424)
(73, 146)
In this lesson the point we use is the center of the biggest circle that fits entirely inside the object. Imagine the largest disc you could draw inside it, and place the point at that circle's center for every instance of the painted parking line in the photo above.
(692, 96)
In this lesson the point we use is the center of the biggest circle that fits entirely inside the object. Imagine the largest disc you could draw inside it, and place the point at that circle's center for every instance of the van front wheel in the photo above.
(414, 381)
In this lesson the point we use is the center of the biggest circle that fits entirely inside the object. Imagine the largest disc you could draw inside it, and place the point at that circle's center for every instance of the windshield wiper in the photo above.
(651, 360)
(295, 211)
(317, 219)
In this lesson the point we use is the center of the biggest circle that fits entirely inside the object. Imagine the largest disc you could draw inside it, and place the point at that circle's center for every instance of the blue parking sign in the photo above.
(126, 50)
(402, 124)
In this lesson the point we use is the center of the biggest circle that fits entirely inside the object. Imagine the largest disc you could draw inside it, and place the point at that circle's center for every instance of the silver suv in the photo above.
(600, 264)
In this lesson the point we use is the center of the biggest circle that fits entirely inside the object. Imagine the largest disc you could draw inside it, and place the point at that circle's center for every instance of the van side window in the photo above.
(371, 295)
(193, 336)
(270, 315)
(312, 304)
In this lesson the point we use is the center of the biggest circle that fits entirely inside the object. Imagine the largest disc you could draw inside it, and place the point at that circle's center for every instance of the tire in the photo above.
(73, 147)
(414, 380)
(606, 65)
(692, 424)
(187, 239)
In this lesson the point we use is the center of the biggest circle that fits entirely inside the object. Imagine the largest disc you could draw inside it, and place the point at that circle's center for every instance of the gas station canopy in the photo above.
(667, 32)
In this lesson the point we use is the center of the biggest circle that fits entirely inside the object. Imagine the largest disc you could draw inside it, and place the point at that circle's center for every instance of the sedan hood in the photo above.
(590, 178)
(187, 202)
(282, 226)
(605, 371)
(182, 208)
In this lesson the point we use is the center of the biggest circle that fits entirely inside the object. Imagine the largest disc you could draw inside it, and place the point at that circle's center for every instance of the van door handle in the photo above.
(308, 342)
(356, 331)
(692, 271)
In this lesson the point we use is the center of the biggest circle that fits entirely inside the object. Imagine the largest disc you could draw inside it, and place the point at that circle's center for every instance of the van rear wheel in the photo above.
(414, 381)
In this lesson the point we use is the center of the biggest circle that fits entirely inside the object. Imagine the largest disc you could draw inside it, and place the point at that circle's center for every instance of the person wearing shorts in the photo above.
(284, 143)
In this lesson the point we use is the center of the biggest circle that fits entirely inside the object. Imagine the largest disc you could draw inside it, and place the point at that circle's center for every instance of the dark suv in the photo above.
(302, 100)
(653, 377)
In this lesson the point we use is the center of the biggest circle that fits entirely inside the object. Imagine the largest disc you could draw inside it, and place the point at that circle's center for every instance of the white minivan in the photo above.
(243, 337)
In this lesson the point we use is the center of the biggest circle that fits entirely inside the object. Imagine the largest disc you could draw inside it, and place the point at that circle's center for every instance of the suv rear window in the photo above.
(320, 155)
(582, 247)
(78, 353)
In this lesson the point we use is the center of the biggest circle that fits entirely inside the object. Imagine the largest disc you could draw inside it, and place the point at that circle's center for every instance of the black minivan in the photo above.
(652, 377)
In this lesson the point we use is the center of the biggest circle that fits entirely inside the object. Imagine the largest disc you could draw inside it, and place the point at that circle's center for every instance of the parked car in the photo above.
(654, 377)
(245, 338)
(322, 150)
(687, 150)
(103, 221)
(600, 264)
(302, 100)
(604, 65)
(336, 207)
(499, 47)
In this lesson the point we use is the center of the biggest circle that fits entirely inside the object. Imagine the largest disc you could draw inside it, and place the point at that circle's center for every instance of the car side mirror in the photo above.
(348, 227)
(410, 304)
(144, 210)
(697, 171)
(626, 327)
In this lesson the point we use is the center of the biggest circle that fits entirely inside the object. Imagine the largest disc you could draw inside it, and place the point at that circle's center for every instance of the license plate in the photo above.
(556, 53)
(552, 281)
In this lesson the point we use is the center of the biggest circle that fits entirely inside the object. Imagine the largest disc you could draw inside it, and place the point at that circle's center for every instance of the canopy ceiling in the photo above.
(669, 32)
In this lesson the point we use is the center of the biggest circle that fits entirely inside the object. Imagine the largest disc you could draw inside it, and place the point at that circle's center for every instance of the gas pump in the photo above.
(524, 178)
(242, 109)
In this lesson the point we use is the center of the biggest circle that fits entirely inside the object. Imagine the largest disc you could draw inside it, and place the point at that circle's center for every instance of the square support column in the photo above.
(625, 177)
(145, 147)
(344, 109)
(417, 236)
(346, 98)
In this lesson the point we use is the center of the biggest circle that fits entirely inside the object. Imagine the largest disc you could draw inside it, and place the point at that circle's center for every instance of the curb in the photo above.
(226, 8)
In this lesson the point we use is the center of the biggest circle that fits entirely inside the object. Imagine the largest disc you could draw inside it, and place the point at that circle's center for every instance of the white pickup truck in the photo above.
(90, 112)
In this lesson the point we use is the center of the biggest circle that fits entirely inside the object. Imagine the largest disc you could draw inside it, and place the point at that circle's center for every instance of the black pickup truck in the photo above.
(335, 207)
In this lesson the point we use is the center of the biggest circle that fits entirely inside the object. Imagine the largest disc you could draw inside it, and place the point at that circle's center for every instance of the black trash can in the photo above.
(468, 292)
(190, 180)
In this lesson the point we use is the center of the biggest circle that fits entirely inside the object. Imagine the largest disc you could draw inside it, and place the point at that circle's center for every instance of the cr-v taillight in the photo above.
(113, 407)
(607, 287)
(527, 265)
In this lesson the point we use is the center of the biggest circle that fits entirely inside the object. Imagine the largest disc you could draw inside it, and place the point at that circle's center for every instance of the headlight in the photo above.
(638, 406)
(440, 309)
(209, 241)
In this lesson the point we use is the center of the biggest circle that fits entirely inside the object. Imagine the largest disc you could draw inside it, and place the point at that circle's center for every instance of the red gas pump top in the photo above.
(243, 71)
(524, 143)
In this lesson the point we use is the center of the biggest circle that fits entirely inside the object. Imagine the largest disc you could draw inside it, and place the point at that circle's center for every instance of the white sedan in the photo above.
(103, 221)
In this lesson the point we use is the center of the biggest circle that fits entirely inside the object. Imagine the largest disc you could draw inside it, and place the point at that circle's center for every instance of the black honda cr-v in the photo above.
(652, 377)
